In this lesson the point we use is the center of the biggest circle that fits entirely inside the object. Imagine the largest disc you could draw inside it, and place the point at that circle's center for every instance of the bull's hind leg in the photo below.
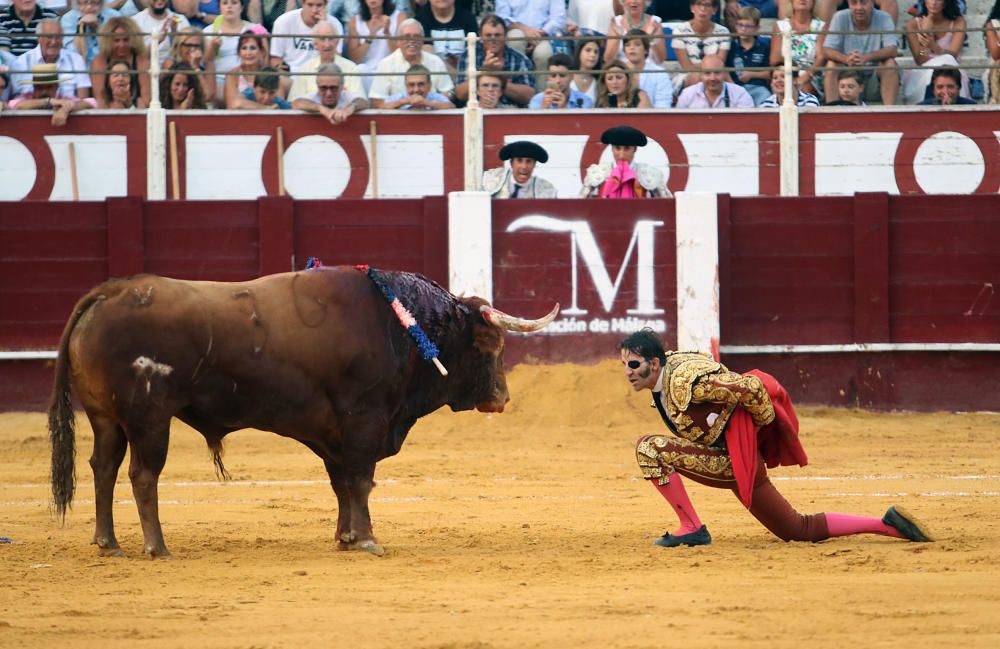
(340, 488)
(149, 454)
(109, 451)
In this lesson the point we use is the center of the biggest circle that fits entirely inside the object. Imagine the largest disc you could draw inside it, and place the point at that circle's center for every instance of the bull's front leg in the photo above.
(341, 488)
(354, 525)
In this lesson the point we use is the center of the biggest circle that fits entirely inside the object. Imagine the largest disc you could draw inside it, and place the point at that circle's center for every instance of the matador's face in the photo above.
(641, 373)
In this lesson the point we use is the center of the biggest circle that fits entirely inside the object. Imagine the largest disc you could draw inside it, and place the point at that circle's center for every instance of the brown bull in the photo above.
(317, 356)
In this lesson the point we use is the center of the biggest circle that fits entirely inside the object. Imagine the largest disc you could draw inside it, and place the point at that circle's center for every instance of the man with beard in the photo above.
(713, 91)
(726, 429)
(519, 181)
(326, 41)
(624, 178)
(389, 79)
(157, 21)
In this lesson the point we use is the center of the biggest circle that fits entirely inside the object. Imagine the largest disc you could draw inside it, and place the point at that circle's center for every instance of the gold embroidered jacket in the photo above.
(700, 395)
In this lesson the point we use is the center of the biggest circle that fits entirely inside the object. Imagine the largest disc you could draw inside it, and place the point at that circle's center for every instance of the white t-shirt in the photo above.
(227, 57)
(384, 87)
(697, 47)
(149, 24)
(296, 50)
(591, 14)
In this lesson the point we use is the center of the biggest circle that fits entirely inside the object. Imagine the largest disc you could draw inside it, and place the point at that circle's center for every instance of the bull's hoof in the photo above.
(107, 547)
(158, 553)
(110, 552)
(372, 547)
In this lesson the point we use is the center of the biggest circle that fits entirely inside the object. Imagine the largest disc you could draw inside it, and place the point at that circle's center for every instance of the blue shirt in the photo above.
(576, 100)
(546, 15)
(959, 101)
(513, 61)
(71, 20)
(433, 96)
(278, 101)
(758, 56)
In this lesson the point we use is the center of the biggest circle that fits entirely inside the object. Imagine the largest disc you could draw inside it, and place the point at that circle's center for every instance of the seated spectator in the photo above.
(653, 80)
(945, 83)
(378, 18)
(489, 90)
(189, 47)
(765, 9)
(750, 51)
(620, 89)
(409, 53)
(330, 100)
(807, 44)
(558, 93)
(625, 178)
(326, 41)
(802, 99)
(418, 95)
(44, 95)
(265, 12)
(851, 41)
(825, 9)
(73, 82)
(289, 50)
(992, 34)
(252, 52)
(696, 39)
(221, 42)
(121, 41)
(180, 90)
(264, 92)
(81, 24)
(589, 18)
(19, 25)
(587, 61)
(935, 37)
(200, 13)
(441, 19)
(120, 89)
(518, 180)
(159, 21)
(533, 20)
(343, 10)
(492, 53)
(634, 18)
(713, 91)
(849, 87)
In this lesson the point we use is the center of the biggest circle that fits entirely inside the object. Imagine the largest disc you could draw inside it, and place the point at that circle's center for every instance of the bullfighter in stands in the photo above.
(624, 178)
(519, 180)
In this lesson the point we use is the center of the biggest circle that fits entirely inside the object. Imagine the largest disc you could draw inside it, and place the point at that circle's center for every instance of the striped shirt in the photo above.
(17, 36)
(805, 99)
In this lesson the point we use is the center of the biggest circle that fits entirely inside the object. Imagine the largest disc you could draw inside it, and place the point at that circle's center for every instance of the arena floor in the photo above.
(526, 529)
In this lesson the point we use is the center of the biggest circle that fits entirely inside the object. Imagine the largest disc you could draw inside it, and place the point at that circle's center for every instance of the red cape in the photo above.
(778, 442)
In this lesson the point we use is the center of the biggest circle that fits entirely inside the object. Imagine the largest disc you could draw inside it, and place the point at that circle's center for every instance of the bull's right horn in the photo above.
(501, 320)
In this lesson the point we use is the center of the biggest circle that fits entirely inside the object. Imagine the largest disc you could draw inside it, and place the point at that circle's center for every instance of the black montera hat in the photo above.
(524, 149)
(623, 136)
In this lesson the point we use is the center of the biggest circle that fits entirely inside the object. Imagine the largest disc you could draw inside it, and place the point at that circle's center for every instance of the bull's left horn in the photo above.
(501, 320)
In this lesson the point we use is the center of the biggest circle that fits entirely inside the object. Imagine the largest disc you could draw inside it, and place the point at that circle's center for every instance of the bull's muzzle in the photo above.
(501, 320)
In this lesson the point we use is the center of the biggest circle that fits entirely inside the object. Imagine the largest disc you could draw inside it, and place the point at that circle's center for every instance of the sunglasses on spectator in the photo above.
(634, 365)
(328, 88)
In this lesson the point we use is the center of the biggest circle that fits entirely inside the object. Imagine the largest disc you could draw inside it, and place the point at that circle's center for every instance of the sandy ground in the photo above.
(526, 529)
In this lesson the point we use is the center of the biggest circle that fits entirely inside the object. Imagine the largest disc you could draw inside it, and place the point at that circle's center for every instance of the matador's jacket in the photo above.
(742, 415)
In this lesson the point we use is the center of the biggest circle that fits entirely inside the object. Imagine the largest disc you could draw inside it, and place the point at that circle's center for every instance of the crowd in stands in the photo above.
(337, 57)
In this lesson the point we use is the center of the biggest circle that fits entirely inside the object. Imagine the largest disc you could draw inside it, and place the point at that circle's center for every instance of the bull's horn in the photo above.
(501, 320)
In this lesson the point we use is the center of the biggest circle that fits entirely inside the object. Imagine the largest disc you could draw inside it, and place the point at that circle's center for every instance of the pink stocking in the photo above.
(676, 495)
(845, 525)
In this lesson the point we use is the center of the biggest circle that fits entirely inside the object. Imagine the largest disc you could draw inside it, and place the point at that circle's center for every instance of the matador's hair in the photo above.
(646, 343)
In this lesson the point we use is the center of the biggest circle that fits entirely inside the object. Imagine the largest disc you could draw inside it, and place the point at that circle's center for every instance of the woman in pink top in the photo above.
(931, 48)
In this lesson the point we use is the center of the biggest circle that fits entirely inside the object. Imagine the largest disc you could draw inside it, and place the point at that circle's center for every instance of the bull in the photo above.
(317, 356)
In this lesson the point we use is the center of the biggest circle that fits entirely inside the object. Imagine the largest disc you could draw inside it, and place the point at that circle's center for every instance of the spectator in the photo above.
(490, 90)
(378, 18)
(45, 95)
(180, 90)
(200, 13)
(859, 47)
(222, 39)
(441, 19)
(330, 99)
(19, 25)
(289, 46)
(991, 31)
(418, 94)
(618, 88)
(120, 89)
(534, 20)
(652, 78)
(945, 83)
(713, 91)
(492, 53)
(344, 10)
(409, 53)
(4, 88)
(935, 38)
(825, 9)
(325, 41)
(589, 18)
(189, 47)
(807, 44)
(121, 41)
(765, 9)
(81, 24)
(252, 52)
(266, 12)
(625, 178)
(802, 99)
(849, 87)
(73, 82)
(558, 93)
(588, 63)
(518, 180)
(157, 20)
(634, 18)
(750, 51)
(264, 94)
(696, 39)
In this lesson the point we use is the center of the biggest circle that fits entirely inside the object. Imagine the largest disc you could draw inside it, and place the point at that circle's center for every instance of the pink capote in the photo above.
(621, 183)
(778, 442)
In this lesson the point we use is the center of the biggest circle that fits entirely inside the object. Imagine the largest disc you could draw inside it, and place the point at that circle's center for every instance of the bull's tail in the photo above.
(62, 422)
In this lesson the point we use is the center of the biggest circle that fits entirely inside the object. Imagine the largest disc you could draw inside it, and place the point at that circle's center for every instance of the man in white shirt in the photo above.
(73, 80)
(330, 100)
(291, 47)
(713, 91)
(326, 42)
(157, 19)
(410, 52)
